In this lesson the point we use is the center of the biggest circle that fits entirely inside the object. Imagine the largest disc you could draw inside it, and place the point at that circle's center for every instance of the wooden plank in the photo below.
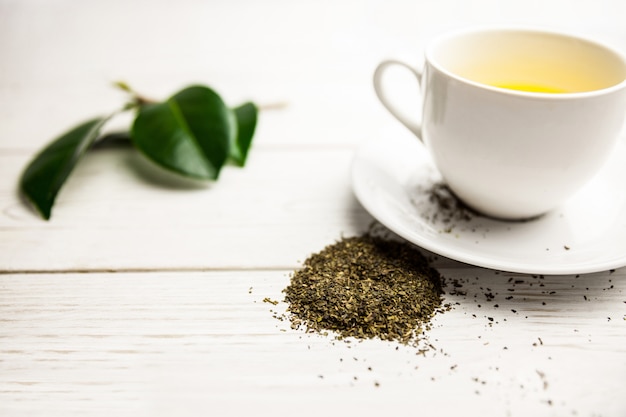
(326, 84)
(157, 344)
(117, 213)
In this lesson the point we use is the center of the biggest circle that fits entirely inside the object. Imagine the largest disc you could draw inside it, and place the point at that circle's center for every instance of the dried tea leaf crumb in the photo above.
(270, 301)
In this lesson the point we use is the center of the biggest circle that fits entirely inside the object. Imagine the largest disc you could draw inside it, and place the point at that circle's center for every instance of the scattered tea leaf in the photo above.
(190, 133)
(47, 172)
(246, 118)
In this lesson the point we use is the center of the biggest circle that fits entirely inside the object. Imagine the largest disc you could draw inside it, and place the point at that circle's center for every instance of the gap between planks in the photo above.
(144, 270)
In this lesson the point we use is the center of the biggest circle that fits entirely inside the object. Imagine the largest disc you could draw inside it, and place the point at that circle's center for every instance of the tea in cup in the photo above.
(516, 120)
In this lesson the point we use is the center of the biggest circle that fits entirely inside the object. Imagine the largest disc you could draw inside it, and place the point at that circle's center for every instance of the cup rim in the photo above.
(430, 50)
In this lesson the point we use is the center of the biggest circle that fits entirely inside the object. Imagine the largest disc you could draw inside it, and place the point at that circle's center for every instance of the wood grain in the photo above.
(117, 212)
(159, 343)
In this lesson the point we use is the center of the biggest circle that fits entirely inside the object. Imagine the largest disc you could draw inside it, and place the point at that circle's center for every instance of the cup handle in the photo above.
(413, 126)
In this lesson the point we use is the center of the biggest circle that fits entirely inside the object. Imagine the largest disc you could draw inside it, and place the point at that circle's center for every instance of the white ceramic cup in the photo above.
(509, 153)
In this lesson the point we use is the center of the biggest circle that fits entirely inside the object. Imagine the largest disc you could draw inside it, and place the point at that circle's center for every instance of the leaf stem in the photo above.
(278, 105)
(113, 139)
(137, 99)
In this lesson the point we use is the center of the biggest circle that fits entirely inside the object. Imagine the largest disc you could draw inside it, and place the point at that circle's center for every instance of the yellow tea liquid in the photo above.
(534, 88)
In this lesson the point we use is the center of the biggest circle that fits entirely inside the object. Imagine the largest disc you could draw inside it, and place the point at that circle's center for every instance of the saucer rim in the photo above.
(439, 247)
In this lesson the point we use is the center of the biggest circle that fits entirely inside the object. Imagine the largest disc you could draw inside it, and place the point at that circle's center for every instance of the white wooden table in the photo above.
(143, 297)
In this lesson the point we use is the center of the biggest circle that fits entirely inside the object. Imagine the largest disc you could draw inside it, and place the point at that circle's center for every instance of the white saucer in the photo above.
(391, 176)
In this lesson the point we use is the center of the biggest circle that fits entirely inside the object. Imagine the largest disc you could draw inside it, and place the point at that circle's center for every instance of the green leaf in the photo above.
(189, 133)
(246, 118)
(45, 175)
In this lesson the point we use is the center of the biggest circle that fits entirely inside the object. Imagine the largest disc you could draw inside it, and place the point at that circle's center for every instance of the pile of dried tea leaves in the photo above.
(366, 287)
